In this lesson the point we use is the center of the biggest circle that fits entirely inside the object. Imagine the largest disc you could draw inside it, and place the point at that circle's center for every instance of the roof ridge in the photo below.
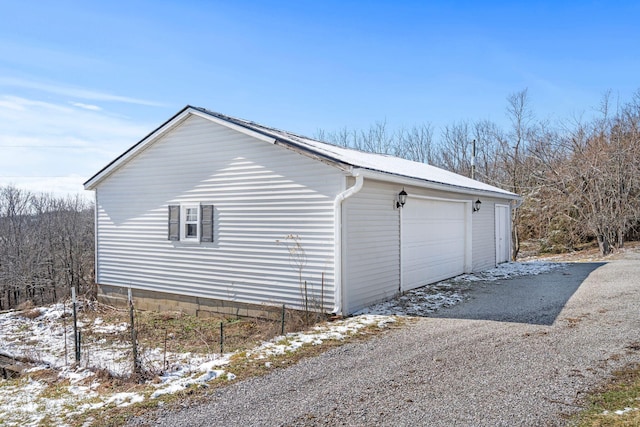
(282, 131)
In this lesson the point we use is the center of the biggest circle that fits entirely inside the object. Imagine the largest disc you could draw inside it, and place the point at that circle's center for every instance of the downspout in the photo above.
(337, 209)
(517, 203)
(95, 236)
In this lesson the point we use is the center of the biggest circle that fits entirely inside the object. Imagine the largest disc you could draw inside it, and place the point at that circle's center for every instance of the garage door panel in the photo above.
(433, 241)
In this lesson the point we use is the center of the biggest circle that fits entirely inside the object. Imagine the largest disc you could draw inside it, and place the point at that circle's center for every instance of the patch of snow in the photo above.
(620, 411)
(124, 399)
(20, 403)
(101, 328)
(176, 384)
(509, 270)
(75, 376)
(333, 331)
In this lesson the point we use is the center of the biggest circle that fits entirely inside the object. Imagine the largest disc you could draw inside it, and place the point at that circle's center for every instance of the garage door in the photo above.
(434, 241)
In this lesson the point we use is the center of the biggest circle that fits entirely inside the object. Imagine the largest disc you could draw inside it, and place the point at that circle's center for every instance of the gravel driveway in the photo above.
(520, 351)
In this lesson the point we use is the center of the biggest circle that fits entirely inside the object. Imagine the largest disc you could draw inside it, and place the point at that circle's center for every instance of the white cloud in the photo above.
(74, 92)
(86, 106)
(55, 147)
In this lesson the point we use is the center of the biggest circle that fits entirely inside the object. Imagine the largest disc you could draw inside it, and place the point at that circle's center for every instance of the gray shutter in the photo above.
(206, 222)
(174, 222)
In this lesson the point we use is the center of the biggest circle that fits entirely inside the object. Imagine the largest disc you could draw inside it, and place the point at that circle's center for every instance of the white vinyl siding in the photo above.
(371, 254)
(261, 193)
(484, 252)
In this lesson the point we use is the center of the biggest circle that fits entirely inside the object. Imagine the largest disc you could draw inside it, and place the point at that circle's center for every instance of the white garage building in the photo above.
(214, 213)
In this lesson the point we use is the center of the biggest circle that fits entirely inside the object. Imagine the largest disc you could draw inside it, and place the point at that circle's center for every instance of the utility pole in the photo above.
(473, 161)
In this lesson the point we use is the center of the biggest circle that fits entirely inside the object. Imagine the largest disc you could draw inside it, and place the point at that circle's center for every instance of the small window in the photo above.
(190, 226)
(192, 223)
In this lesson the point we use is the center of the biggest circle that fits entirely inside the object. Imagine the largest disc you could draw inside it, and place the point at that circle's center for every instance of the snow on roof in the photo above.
(384, 163)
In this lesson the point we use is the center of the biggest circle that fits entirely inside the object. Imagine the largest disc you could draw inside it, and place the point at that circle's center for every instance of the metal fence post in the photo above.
(221, 338)
(76, 334)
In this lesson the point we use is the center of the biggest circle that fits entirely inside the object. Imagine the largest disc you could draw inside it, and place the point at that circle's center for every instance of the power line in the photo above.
(35, 176)
(43, 146)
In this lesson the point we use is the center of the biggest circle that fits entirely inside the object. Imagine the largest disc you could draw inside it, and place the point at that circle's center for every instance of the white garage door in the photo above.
(434, 241)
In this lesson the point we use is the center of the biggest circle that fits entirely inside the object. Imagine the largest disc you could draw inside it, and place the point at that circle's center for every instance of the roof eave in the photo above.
(407, 180)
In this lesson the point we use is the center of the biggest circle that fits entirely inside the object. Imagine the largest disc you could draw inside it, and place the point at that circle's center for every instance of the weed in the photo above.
(31, 313)
(311, 302)
(614, 403)
(285, 341)
(26, 305)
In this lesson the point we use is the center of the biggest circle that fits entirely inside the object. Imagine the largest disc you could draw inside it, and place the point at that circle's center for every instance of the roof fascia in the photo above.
(403, 180)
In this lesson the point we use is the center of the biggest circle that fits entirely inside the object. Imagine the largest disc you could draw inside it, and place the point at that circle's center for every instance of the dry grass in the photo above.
(179, 332)
(623, 391)
(31, 313)
(587, 252)
(28, 310)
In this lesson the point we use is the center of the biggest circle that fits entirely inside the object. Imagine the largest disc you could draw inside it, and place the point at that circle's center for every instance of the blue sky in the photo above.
(82, 81)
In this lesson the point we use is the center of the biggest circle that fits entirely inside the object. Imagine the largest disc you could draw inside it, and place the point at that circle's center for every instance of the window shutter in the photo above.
(174, 222)
(206, 222)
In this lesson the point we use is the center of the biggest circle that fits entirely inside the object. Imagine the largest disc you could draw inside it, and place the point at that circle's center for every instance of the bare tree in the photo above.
(343, 137)
(46, 246)
(416, 144)
(377, 139)
(600, 179)
(488, 136)
(514, 155)
(456, 148)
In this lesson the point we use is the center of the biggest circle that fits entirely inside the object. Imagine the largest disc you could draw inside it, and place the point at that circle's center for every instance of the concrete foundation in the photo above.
(198, 306)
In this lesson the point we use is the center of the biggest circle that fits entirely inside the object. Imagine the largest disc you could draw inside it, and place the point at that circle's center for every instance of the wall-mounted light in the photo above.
(476, 205)
(402, 199)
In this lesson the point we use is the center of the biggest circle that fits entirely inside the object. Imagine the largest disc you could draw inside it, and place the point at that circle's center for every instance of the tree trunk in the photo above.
(515, 243)
(604, 245)
(620, 238)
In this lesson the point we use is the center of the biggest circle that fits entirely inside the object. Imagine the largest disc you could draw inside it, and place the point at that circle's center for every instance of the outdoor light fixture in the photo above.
(402, 198)
(476, 205)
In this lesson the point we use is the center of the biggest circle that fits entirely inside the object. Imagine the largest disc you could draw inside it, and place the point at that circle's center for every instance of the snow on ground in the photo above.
(620, 411)
(26, 401)
(46, 339)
